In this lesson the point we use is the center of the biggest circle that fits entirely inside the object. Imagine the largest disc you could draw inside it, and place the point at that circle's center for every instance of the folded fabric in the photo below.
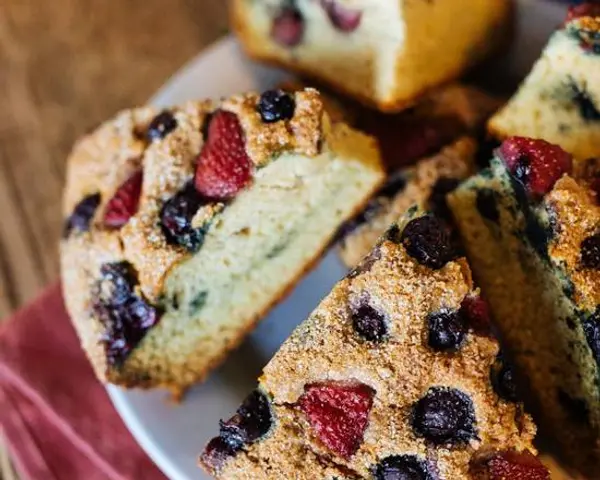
(56, 417)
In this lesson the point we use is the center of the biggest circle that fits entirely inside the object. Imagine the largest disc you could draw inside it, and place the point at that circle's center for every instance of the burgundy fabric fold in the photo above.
(56, 417)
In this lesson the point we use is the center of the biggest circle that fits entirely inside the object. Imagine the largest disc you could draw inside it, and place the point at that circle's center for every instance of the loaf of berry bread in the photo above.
(531, 227)
(559, 101)
(395, 375)
(185, 226)
(384, 53)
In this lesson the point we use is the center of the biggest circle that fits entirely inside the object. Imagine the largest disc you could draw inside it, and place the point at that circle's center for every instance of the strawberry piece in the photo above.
(535, 163)
(343, 18)
(587, 9)
(288, 27)
(339, 413)
(124, 203)
(476, 312)
(515, 466)
(224, 167)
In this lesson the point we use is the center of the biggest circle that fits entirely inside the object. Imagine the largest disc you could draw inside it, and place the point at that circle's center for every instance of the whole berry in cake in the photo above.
(511, 465)
(125, 316)
(341, 16)
(82, 214)
(224, 167)
(476, 313)
(288, 27)
(216, 452)
(176, 219)
(368, 322)
(276, 105)
(446, 330)
(160, 126)
(338, 414)
(590, 252)
(428, 240)
(444, 416)
(402, 467)
(535, 163)
(487, 204)
(502, 378)
(251, 421)
(124, 203)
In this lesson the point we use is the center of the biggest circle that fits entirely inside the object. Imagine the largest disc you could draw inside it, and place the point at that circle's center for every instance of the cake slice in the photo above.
(531, 227)
(559, 100)
(386, 54)
(394, 375)
(185, 226)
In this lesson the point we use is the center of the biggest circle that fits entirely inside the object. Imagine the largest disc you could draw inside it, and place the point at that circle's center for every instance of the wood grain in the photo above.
(65, 66)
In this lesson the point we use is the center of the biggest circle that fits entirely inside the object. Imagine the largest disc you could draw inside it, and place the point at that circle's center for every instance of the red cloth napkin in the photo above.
(56, 417)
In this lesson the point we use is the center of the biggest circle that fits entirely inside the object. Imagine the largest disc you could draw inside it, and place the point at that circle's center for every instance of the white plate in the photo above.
(173, 435)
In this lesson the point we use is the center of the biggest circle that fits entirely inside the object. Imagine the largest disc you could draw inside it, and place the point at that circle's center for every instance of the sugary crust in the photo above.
(104, 159)
(400, 370)
(457, 161)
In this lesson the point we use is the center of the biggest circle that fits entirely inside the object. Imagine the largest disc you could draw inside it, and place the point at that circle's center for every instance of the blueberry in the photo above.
(252, 421)
(503, 381)
(118, 280)
(591, 328)
(368, 322)
(160, 126)
(401, 467)
(587, 109)
(487, 204)
(176, 219)
(216, 453)
(82, 215)
(428, 240)
(590, 252)
(437, 199)
(444, 416)
(276, 105)
(447, 330)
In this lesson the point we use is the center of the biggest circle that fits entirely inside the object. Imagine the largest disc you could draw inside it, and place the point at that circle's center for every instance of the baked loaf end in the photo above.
(185, 226)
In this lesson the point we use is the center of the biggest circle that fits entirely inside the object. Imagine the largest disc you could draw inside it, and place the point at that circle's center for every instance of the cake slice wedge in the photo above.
(394, 375)
(184, 226)
(531, 228)
(559, 100)
(386, 54)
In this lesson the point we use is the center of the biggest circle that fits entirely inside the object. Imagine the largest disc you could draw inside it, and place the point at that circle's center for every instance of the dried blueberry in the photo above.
(288, 27)
(437, 198)
(82, 215)
(444, 416)
(276, 105)
(160, 126)
(502, 378)
(427, 239)
(402, 467)
(176, 219)
(585, 104)
(590, 252)
(487, 204)
(446, 330)
(216, 453)
(591, 327)
(368, 322)
(251, 421)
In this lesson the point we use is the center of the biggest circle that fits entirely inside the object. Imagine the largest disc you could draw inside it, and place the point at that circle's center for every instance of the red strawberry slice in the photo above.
(124, 204)
(288, 27)
(588, 9)
(339, 413)
(515, 466)
(224, 167)
(536, 163)
(343, 18)
(477, 314)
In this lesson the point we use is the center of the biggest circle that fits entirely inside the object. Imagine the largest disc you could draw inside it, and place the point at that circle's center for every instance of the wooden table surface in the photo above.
(66, 65)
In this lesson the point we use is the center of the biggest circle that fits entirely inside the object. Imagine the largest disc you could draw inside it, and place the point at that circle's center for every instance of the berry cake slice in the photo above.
(560, 99)
(395, 375)
(185, 226)
(384, 53)
(531, 226)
